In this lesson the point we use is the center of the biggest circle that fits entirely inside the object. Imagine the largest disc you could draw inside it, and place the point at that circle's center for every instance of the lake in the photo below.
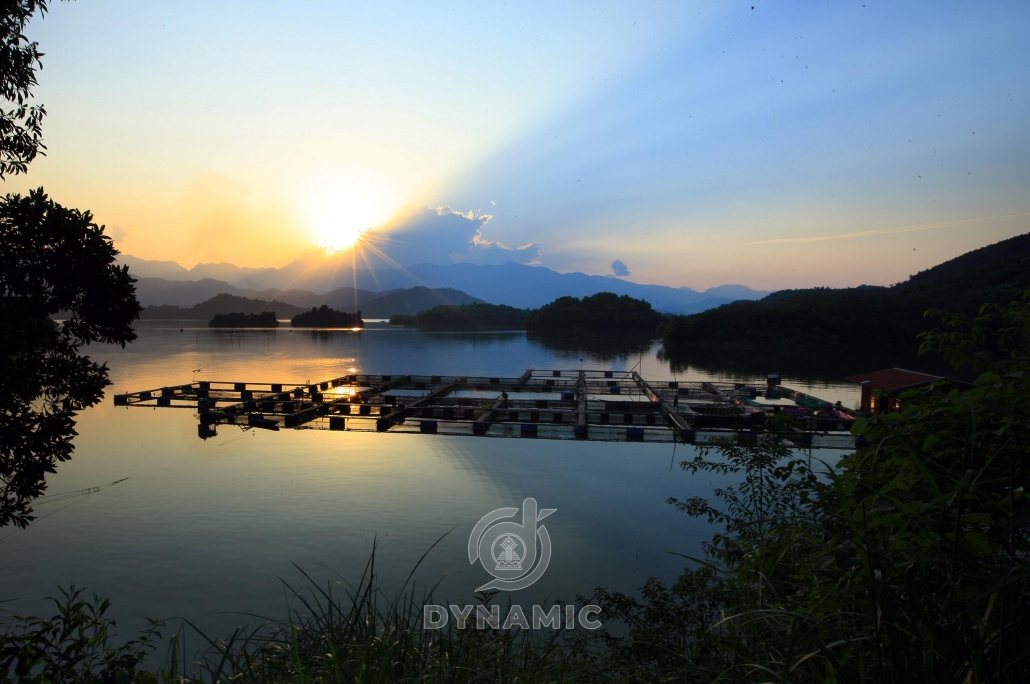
(207, 529)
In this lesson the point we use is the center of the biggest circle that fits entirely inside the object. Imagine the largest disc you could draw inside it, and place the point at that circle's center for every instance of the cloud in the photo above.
(619, 268)
(116, 233)
(441, 235)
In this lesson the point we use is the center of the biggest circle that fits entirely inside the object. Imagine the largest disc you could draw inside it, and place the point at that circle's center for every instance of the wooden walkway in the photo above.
(544, 404)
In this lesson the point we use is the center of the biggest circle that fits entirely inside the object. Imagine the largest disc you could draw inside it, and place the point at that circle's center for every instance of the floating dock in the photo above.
(543, 404)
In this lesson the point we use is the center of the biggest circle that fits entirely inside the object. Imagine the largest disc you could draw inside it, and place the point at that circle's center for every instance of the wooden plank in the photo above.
(398, 416)
(482, 424)
(379, 389)
(678, 419)
(322, 408)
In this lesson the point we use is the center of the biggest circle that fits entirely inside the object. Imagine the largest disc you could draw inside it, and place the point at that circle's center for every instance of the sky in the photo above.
(770, 143)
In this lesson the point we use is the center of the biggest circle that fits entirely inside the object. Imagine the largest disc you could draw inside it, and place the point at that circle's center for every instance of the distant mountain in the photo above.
(229, 272)
(169, 270)
(854, 329)
(153, 291)
(415, 300)
(341, 299)
(186, 293)
(411, 301)
(511, 284)
(530, 287)
(145, 268)
(219, 304)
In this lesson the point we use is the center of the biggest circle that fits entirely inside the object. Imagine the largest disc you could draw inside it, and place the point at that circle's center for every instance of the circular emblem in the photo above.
(515, 554)
(508, 550)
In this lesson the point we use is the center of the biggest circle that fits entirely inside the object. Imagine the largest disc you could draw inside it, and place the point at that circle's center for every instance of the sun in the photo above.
(343, 205)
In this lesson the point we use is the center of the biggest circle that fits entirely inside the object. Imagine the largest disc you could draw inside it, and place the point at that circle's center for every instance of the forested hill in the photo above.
(853, 329)
(415, 300)
(993, 273)
(219, 304)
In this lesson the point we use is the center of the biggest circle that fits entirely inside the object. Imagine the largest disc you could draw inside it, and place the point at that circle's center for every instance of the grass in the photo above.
(357, 634)
(361, 635)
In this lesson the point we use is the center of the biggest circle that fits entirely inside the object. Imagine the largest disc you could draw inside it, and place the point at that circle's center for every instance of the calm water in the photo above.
(206, 529)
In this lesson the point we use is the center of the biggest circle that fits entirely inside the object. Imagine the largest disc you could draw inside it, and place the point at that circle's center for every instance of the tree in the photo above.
(21, 124)
(55, 262)
(908, 560)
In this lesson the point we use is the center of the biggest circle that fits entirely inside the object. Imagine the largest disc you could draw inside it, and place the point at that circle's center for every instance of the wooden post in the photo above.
(581, 407)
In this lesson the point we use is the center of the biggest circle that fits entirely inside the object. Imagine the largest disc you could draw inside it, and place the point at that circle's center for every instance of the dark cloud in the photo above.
(442, 235)
(619, 268)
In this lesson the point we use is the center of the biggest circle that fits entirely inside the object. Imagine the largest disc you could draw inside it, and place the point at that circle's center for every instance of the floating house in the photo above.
(880, 389)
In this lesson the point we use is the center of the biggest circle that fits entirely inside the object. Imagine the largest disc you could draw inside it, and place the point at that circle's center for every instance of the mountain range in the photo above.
(317, 279)
(410, 301)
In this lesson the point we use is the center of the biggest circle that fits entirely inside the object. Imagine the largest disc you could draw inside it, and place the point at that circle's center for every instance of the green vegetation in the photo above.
(265, 319)
(75, 645)
(361, 636)
(907, 561)
(219, 304)
(324, 317)
(466, 317)
(909, 564)
(603, 313)
(849, 330)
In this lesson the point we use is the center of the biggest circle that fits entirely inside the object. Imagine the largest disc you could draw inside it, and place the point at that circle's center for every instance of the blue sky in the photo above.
(789, 145)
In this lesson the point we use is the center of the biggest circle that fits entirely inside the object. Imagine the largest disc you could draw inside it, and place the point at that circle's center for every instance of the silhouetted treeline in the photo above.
(852, 328)
(466, 317)
(603, 313)
(265, 319)
(324, 317)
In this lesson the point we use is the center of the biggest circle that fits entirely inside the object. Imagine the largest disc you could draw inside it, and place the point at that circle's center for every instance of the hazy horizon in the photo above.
(778, 146)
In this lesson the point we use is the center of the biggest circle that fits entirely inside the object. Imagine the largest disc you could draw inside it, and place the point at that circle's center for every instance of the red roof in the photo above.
(893, 378)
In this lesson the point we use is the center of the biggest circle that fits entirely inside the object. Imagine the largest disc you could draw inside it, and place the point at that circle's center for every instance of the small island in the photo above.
(324, 317)
(603, 313)
(265, 319)
(466, 317)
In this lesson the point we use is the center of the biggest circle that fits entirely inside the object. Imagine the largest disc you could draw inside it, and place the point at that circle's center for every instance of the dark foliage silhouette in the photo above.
(21, 124)
(55, 262)
(466, 317)
(908, 561)
(850, 329)
(324, 317)
(603, 312)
